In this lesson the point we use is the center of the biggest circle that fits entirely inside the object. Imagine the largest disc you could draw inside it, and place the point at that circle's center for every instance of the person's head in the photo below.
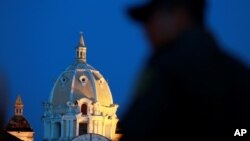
(165, 20)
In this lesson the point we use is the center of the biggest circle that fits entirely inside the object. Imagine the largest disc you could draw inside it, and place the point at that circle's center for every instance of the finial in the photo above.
(81, 42)
(19, 101)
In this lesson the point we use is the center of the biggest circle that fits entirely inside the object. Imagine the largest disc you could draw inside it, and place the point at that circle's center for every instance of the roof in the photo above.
(5, 136)
(18, 123)
(81, 41)
(81, 80)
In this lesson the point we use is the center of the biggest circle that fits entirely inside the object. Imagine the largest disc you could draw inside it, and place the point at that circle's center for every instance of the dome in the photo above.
(80, 103)
(18, 123)
(80, 80)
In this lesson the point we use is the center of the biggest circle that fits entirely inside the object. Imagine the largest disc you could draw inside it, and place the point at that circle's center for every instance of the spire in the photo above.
(19, 106)
(19, 101)
(81, 50)
(81, 42)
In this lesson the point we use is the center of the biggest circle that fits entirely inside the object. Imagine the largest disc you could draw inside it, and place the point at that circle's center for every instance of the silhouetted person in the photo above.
(189, 88)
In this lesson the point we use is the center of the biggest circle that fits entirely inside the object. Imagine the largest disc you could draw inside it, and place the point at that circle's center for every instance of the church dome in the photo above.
(80, 80)
(18, 123)
(80, 103)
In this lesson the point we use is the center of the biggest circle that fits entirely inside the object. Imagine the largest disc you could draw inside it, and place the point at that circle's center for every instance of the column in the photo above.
(95, 127)
(71, 129)
(51, 129)
(67, 128)
(62, 129)
(99, 125)
(77, 128)
(90, 125)
(112, 129)
(45, 135)
(103, 126)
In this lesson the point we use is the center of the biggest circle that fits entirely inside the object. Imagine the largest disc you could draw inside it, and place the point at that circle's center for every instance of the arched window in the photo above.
(84, 109)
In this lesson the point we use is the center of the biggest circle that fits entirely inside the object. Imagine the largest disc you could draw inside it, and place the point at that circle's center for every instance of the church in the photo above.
(18, 126)
(80, 106)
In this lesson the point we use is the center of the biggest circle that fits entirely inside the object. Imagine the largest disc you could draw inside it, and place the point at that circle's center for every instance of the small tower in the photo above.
(18, 125)
(81, 50)
(19, 106)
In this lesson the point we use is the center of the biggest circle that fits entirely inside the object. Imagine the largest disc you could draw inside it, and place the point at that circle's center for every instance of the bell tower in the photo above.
(19, 107)
(81, 50)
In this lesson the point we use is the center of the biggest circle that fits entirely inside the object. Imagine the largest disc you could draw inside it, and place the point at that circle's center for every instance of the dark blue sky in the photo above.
(38, 40)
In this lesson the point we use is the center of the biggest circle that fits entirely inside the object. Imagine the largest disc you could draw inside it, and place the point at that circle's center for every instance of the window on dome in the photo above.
(83, 79)
(84, 109)
(63, 80)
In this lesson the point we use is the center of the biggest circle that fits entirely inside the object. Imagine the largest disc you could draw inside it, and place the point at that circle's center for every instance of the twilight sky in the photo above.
(38, 40)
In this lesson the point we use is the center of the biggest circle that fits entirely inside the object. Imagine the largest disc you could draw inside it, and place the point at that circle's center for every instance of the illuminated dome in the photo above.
(80, 80)
(80, 103)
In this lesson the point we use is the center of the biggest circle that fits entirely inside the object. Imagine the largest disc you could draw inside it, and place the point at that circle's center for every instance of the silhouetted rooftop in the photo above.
(18, 123)
(5, 136)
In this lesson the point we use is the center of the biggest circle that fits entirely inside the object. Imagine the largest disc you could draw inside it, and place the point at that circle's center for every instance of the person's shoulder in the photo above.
(196, 48)
(233, 64)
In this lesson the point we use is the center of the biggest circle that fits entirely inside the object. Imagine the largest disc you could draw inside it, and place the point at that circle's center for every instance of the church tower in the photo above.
(19, 106)
(18, 126)
(80, 103)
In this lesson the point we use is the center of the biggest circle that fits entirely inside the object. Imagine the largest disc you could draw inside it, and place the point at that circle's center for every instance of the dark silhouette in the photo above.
(3, 99)
(189, 88)
(4, 135)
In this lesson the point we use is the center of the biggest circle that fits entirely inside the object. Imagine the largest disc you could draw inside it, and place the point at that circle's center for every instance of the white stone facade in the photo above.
(98, 119)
